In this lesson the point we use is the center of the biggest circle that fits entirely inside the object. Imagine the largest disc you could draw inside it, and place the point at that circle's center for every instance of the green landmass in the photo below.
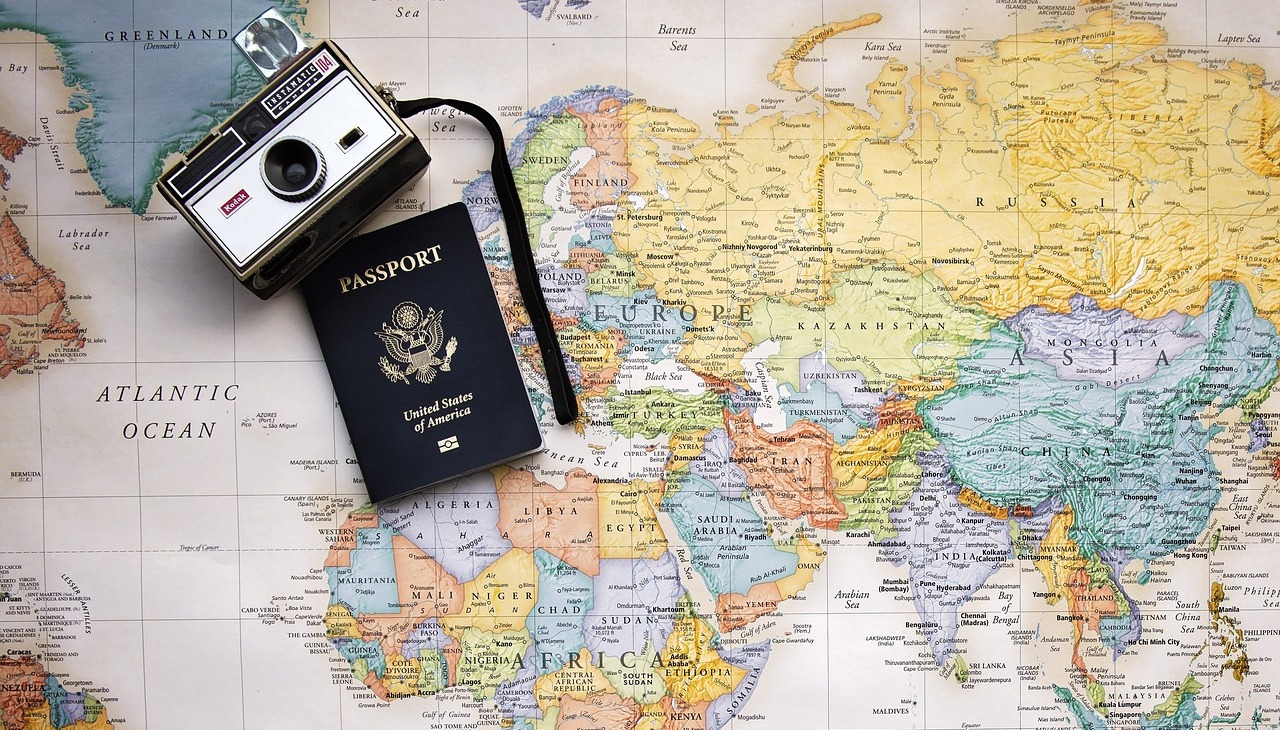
(1175, 704)
(1097, 696)
(870, 509)
(544, 157)
(881, 321)
(489, 659)
(656, 411)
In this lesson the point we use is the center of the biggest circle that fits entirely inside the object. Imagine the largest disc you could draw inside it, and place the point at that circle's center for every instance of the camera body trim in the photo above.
(356, 154)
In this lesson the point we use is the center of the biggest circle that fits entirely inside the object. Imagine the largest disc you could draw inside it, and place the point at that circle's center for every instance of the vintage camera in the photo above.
(284, 181)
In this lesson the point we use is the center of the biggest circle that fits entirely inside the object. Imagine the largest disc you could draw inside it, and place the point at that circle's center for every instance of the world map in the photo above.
(927, 359)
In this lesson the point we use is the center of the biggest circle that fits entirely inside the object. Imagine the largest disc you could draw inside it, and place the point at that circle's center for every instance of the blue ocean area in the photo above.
(158, 77)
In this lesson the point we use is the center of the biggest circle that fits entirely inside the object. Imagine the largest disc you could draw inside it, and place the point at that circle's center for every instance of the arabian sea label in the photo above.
(419, 354)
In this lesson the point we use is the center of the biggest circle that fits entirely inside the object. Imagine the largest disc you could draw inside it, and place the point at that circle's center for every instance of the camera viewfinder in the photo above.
(351, 138)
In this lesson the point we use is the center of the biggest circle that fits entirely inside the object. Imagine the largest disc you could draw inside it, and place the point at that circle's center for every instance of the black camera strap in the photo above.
(526, 270)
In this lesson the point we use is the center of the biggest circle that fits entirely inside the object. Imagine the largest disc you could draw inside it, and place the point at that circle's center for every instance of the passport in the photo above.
(419, 354)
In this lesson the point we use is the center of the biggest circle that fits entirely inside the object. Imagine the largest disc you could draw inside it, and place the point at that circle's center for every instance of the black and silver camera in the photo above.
(284, 181)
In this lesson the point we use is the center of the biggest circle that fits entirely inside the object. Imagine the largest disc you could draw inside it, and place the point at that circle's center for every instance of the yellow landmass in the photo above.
(338, 622)
(720, 350)
(1091, 159)
(784, 72)
(1059, 556)
(691, 668)
(652, 717)
(1169, 707)
(1093, 173)
(685, 447)
(596, 353)
(401, 677)
(489, 659)
(923, 388)
(500, 598)
(894, 328)
(811, 556)
(865, 457)
(629, 526)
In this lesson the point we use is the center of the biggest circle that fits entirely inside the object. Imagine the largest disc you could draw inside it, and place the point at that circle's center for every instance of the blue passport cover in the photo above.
(421, 362)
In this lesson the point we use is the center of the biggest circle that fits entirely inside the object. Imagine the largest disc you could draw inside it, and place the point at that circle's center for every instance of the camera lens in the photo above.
(293, 169)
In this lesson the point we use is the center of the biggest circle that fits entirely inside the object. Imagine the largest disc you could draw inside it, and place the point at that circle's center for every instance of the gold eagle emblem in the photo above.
(412, 340)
